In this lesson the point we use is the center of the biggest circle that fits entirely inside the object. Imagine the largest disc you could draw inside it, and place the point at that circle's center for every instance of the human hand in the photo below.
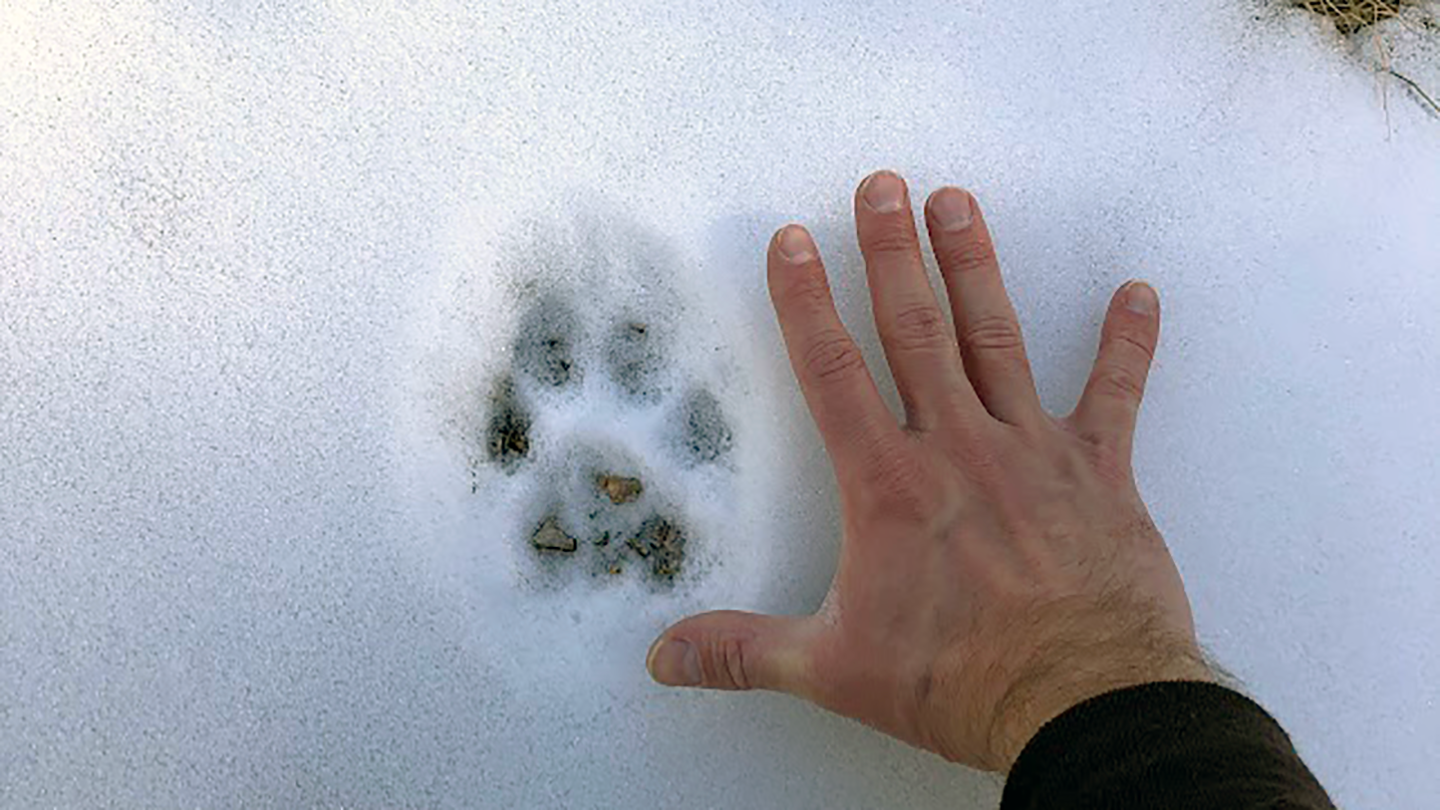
(998, 565)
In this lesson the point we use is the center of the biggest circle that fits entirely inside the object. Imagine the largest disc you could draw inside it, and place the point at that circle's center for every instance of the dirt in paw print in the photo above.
(545, 346)
(507, 435)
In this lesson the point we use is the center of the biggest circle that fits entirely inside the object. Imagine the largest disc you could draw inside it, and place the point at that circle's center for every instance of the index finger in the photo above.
(842, 396)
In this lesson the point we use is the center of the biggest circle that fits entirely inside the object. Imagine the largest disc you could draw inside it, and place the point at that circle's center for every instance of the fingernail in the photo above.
(795, 244)
(884, 192)
(1140, 297)
(951, 209)
(675, 663)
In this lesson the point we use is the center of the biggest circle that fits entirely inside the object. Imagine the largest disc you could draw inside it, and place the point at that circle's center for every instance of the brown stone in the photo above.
(550, 537)
(619, 488)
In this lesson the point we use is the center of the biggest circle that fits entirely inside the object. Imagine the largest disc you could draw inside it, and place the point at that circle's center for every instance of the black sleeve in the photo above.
(1173, 745)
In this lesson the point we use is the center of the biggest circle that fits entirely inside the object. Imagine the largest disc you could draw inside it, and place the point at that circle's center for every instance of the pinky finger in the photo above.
(1107, 411)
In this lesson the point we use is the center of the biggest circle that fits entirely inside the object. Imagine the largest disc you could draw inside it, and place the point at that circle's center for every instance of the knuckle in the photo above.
(992, 333)
(1117, 382)
(1133, 341)
(900, 488)
(1107, 460)
(897, 237)
(724, 660)
(966, 256)
(983, 465)
(907, 506)
(806, 292)
(919, 326)
(831, 356)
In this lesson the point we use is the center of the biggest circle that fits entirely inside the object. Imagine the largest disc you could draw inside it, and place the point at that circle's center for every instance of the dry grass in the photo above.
(1352, 15)
(1419, 91)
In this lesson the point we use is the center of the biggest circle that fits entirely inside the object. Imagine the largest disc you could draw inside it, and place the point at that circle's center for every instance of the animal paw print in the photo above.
(608, 432)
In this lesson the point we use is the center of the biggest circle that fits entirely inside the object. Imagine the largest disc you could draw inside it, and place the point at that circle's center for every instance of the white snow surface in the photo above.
(262, 267)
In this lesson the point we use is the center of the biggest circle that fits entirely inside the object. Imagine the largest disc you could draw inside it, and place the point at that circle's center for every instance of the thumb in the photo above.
(728, 649)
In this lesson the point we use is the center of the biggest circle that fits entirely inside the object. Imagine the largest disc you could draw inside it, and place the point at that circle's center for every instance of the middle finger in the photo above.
(919, 345)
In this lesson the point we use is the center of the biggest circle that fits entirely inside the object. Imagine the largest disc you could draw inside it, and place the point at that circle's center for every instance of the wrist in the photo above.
(1058, 684)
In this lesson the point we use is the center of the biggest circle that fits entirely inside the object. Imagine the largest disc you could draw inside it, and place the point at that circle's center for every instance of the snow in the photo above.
(262, 271)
